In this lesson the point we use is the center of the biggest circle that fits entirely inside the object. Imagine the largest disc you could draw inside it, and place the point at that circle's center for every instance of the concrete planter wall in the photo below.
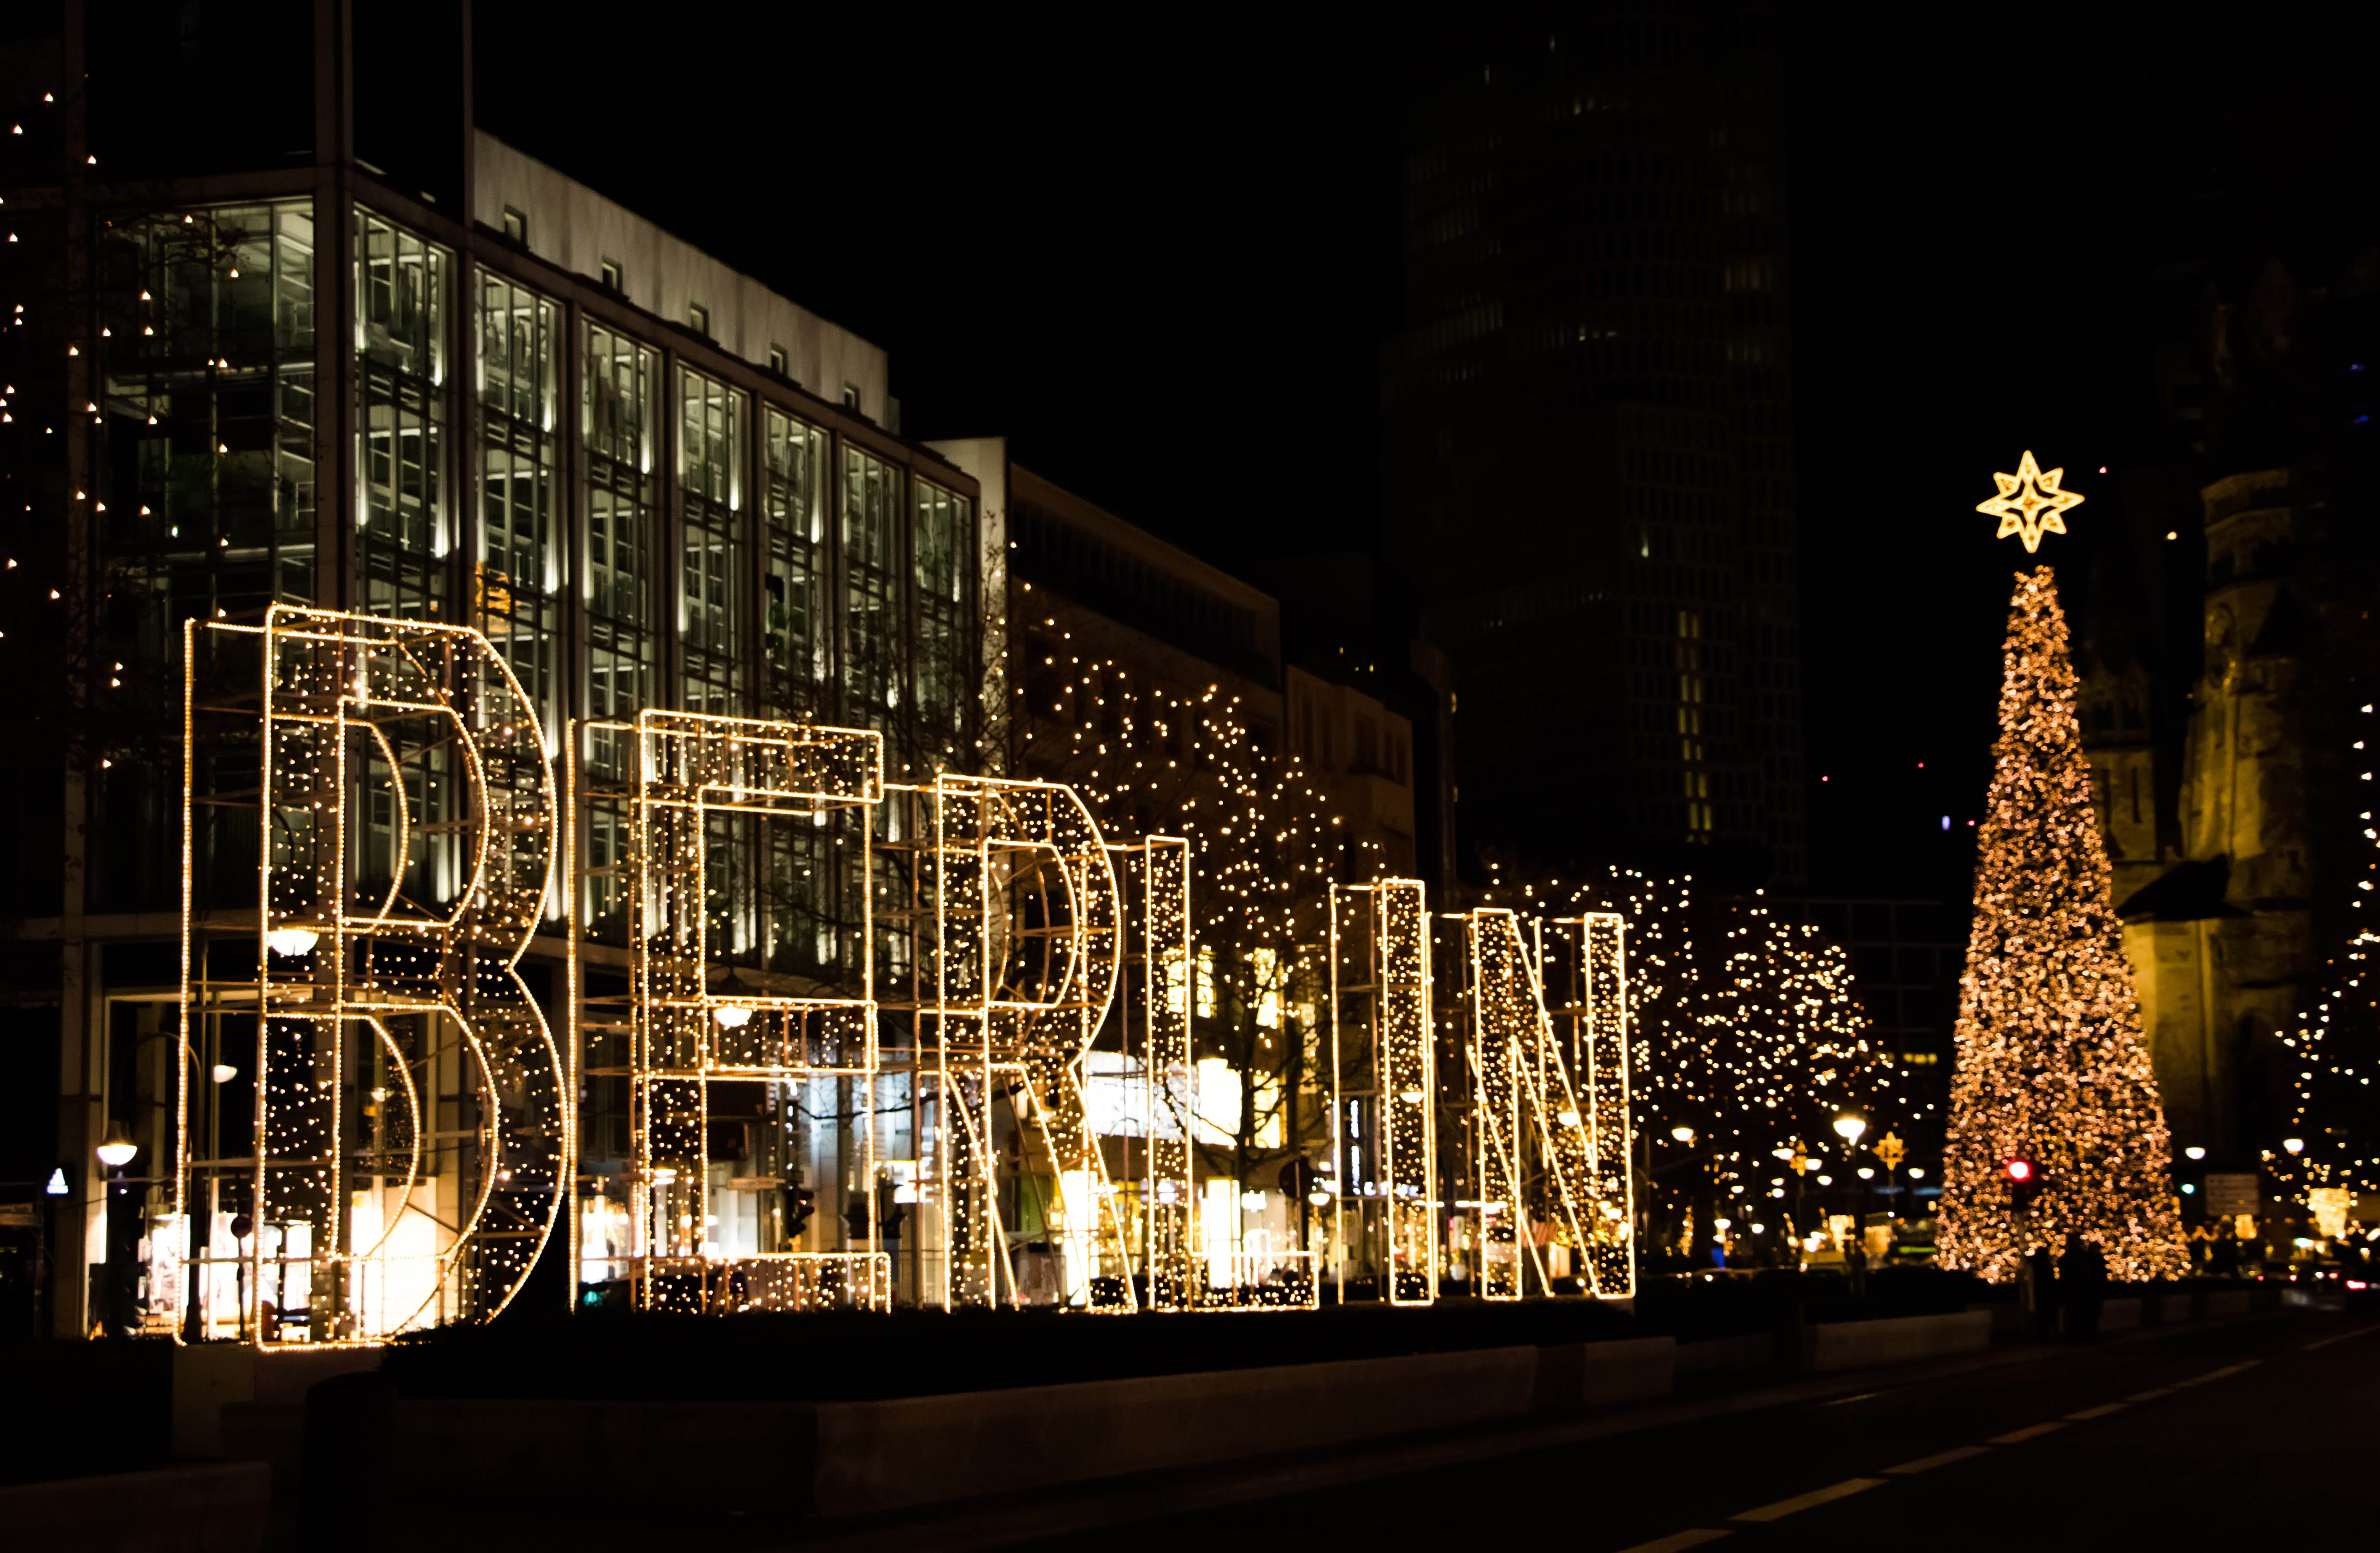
(219, 1506)
(2116, 1315)
(1852, 1345)
(855, 1457)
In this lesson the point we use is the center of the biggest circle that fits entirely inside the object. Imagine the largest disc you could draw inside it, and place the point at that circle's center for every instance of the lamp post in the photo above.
(115, 1151)
(1847, 1127)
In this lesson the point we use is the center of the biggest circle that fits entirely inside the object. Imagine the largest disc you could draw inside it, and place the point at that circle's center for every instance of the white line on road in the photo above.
(1817, 1497)
(2150, 1396)
(1677, 1540)
(2031, 1431)
(2216, 1374)
(1943, 1459)
(1859, 1397)
(2325, 1342)
(2100, 1412)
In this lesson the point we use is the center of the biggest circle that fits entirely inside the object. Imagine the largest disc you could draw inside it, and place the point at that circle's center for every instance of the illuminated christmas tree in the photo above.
(2052, 1065)
(2336, 1118)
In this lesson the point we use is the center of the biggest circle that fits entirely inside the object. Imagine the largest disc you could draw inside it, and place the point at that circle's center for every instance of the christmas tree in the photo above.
(2335, 1119)
(2052, 1065)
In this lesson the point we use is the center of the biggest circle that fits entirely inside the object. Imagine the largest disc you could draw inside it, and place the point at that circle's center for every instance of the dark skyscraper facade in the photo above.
(1588, 417)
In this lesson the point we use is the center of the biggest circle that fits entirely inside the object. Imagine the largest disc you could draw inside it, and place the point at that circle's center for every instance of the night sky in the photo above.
(1162, 264)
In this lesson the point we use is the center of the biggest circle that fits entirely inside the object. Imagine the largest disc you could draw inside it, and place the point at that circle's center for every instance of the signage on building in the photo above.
(2229, 1196)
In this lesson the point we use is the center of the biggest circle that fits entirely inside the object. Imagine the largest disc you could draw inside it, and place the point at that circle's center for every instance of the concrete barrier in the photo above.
(2116, 1316)
(219, 1506)
(876, 1456)
(1758, 1350)
(1851, 1345)
(2224, 1302)
(211, 1376)
(1627, 1371)
(854, 1458)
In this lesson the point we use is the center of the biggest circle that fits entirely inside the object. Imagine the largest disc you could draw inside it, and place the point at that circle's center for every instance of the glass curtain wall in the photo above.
(710, 480)
(623, 509)
(872, 639)
(206, 501)
(794, 640)
(942, 543)
(401, 499)
(516, 585)
(800, 933)
(406, 523)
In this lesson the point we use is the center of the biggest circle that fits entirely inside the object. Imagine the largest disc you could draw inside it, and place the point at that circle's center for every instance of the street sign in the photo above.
(2227, 1197)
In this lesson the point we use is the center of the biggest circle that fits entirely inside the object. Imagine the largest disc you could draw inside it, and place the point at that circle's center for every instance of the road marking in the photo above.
(2100, 1412)
(1928, 1463)
(1677, 1540)
(1860, 1398)
(2218, 1374)
(1811, 1501)
(2018, 1437)
(2150, 1396)
(2325, 1342)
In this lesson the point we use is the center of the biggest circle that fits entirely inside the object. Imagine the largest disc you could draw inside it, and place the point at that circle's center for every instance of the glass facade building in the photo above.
(343, 390)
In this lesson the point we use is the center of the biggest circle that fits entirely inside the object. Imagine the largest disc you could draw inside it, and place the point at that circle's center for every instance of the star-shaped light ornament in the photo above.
(2030, 504)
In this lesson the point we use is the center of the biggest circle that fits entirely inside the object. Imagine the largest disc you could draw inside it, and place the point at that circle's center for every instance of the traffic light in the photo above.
(2024, 1181)
(800, 1203)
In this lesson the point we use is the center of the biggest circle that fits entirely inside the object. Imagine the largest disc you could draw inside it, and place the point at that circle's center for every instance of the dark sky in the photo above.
(1161, 261)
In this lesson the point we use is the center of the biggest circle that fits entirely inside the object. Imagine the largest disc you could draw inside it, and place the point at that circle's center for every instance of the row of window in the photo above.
(846, 590)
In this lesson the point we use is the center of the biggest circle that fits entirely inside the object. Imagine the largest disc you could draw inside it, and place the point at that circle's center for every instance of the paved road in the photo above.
(2249, 1434)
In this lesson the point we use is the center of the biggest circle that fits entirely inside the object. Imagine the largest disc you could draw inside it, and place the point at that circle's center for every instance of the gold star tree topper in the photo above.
(2030, 504)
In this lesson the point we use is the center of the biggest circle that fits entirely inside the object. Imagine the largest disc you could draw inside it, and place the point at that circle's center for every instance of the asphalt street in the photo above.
(2243, 1434)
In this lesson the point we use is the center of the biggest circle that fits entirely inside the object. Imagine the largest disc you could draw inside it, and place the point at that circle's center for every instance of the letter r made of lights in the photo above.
(391, 1131)
(1029, 926)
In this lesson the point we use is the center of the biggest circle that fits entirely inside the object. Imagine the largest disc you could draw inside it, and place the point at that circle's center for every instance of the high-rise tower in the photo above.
(1588, 424)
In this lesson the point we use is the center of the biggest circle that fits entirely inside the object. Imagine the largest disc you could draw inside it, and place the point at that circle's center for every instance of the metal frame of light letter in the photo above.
(1588, 973)
(1384, 1061)
(1159, 870)
(398, 1054)
(697, 773)
(1028, 930)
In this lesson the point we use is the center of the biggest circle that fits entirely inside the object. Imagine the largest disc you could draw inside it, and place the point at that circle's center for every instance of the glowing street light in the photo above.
(117, 1150)
(1849, 1129)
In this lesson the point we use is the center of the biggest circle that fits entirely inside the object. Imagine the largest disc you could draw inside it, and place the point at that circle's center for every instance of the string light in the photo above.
(2333, 1114)
(385, 983)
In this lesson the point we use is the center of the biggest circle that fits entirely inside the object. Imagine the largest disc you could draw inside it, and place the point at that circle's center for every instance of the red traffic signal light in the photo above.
(2019, 1170)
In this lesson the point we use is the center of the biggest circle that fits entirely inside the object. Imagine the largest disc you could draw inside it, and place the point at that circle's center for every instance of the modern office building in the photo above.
(1588, 430)
(286, 328)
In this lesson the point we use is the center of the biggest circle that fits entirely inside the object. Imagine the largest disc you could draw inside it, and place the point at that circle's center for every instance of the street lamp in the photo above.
(117, 1149)
(1682, 1133)
(2295, 1145)
(1848, 1128)
(2194, 1152)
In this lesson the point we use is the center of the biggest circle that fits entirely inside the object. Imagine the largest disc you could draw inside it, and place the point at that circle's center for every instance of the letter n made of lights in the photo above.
(1550, 1151)
(388, 1116)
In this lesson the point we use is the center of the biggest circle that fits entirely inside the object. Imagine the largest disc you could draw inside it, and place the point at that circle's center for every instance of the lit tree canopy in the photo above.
(2337, 1045)
(1745, 1025)
(2052, 1065)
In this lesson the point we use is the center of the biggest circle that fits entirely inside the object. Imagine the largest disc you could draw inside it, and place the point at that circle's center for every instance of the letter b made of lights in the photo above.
(383, 1144)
